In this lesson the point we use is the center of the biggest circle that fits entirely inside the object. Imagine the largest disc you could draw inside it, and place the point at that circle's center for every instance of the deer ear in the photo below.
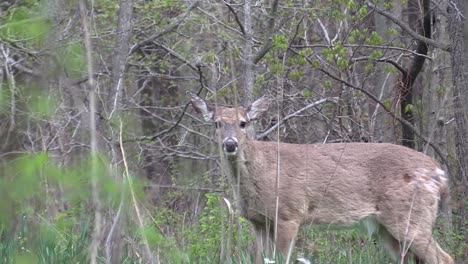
(257, 108)
(201, 107)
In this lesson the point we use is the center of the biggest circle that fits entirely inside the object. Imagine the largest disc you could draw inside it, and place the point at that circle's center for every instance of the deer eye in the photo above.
(242, 124)
(218, 124)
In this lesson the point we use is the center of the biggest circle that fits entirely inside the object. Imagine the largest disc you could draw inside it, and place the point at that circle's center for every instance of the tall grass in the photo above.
(31, 231)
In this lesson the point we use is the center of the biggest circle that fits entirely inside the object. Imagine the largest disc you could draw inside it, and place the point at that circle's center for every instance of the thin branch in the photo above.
(393, 115)
(269, 37)
(134, 200)
(222, 23)
(295, 114)
(167, 131)
(201, 189)
(392, 62)
(363, 46)
(94, 145)
(17, 65)
(177, 55)
(236, 17)
(165, 31)
(325, 33)
(407, 29)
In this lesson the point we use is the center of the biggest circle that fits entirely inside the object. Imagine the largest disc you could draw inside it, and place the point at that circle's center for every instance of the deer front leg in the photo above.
(285, 238)
(263, 240)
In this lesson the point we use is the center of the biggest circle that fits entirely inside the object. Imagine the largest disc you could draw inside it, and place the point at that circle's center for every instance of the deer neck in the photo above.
(240, 164)
(244, 176)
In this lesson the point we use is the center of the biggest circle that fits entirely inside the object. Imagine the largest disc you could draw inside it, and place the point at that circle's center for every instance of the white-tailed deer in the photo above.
(394, 189)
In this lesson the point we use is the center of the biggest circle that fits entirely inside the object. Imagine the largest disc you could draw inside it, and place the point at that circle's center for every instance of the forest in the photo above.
(104, 159)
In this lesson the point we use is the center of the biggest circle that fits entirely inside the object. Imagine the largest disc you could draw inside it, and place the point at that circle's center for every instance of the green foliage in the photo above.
(362, 13)
(375, 39)
(388, 103)
(342, 247)
(106, 10)
(388, 5)
(376, 54)
(307, 93)
(337, 55)
(28, 229)
(392, 32)
(205, 238)
(316, 64)
(41, 105)
(73, 59)
(276, 66)
(280, 42)
(26, 22)
(260, 80)
(166, 245)
(409, 108)
(351, 5)
(296, 74)
(369, 68)
(390, 69)
(32, 242)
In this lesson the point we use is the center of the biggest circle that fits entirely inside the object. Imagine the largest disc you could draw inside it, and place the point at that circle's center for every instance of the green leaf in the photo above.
(409, 108)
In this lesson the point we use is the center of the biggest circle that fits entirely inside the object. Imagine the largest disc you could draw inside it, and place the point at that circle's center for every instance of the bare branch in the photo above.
(295, 114)
(236, 17)
(134, 200)
(393, 115)
(384, 47)
(165, 31)
(222, 23)
(269, 37)
(407, 29)
(392, 62)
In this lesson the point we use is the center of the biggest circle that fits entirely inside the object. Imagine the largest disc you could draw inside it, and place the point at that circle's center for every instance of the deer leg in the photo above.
(262, 242)
(422, 245)
(286, 234)
(391, 245)
(426, 249)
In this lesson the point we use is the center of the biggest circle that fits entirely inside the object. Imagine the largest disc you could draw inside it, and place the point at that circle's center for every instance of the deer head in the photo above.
(232, 124)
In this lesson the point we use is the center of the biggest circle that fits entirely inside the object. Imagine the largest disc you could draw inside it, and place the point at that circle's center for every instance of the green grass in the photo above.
(36, 241)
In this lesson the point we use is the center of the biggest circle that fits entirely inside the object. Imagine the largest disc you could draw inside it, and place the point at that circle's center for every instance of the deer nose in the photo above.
(230, 145)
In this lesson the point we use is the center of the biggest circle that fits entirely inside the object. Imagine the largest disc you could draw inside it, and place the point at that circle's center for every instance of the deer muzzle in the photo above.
(230, 145)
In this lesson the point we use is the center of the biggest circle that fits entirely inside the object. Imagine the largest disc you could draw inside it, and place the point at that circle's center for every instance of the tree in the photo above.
(460, 87)
(338, 71)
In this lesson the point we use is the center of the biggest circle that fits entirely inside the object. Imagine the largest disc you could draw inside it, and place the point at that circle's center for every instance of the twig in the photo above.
(202, 189)
(387, 60)
(222, 23)
(384, 47)
(271, 30)
(167, 30)
(236, 17)
(393, 115)
(407, 29)
(134, 200)
(295, 114)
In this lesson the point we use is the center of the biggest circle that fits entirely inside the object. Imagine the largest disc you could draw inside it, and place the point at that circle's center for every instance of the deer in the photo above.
(392, 190)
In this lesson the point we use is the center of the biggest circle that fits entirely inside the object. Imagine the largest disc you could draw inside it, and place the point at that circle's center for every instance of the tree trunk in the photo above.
(119, 61)
(460, 100)
(407, 89)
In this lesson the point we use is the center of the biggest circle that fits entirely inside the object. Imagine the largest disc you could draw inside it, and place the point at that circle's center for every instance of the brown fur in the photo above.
(334, 184)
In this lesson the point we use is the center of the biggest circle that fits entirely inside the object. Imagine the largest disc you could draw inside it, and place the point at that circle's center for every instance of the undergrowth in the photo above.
(30, 232)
